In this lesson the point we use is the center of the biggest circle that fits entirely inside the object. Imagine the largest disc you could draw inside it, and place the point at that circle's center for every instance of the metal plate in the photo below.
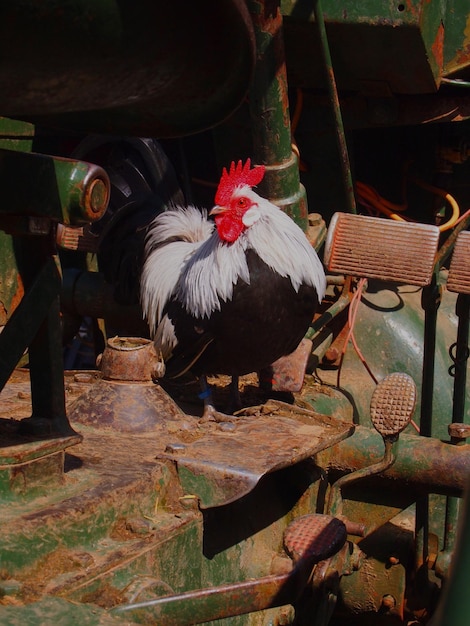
(370, 247)
(228, 460)
(217, 463)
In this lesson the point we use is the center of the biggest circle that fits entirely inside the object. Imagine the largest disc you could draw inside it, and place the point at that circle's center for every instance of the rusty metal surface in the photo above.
(132, 407)
(130, 359)
(309, 539)
(233, 456)
(217, 462)
(380, 248)
(459, 271)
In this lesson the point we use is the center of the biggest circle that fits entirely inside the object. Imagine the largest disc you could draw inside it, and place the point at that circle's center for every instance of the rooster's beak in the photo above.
(217, 209)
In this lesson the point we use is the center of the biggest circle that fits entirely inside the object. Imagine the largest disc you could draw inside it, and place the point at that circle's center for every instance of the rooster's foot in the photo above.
(211, 414)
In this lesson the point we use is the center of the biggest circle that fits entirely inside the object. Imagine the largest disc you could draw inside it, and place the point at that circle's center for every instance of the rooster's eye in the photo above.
(242, 203)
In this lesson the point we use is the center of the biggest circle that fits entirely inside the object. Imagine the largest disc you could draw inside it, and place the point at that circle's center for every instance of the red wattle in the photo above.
(229, 229)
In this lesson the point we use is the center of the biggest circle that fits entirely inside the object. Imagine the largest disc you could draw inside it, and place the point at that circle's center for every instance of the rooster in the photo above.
(233, 294)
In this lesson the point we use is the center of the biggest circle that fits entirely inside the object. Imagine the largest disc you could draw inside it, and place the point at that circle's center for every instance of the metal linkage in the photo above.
(458, 281)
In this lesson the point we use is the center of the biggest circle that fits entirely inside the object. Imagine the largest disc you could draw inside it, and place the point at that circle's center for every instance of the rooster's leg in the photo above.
(210, 413)
(235, 402)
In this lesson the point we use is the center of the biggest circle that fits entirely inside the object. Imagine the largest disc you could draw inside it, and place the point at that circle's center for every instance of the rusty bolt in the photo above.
(83, 377)
(393, 560)
(314, 219)
(458, 430)
(174, 448)
(388, 602)
(332, 354)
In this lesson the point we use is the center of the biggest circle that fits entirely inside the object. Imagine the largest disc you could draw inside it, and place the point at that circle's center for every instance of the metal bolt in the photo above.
(97, 196)
(458, 430)
(314, 219)
(174, 448)
(388, 602)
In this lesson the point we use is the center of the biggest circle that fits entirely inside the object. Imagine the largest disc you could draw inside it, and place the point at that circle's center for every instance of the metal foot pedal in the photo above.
(314, 537)
(388, 250)
(392, 404)
(459, 272)
(391, 409)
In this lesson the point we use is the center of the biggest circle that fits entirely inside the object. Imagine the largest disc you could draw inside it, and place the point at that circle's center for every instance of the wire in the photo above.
(352, 314)
(370, 196)
(444, 194)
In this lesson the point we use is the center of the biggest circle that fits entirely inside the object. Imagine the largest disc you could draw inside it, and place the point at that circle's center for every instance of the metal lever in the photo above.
(391, 409)
(308, 540)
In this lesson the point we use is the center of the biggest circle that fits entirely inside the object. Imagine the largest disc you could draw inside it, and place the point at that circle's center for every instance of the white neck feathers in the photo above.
(201, 271)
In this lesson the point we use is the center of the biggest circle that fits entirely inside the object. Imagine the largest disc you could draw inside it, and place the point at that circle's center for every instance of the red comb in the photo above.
(238, 175)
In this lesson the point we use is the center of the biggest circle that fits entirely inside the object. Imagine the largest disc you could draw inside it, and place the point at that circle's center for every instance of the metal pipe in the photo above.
(269, 110)
(426, 464)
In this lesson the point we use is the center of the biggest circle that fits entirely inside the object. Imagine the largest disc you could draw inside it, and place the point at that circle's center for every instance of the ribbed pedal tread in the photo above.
(370, 247)
(459, 271)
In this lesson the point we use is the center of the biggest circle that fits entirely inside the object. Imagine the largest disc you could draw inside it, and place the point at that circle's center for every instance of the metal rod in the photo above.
(335, 309)
(461, 358)
(334, 99)
(453, 504)
(203, 605)
(424, 463)
(335, 503)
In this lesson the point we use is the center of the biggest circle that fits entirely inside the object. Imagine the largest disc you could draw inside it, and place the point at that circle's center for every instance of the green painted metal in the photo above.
(269, 108)
(59, 611)
(401, 47)
(456, 46)
(453, 610)
(63, 190)
(137, 535)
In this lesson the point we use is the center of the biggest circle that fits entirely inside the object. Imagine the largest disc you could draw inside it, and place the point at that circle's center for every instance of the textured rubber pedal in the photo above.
(371, 247)
(314, 537)
(459, 271)
(393, 403)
